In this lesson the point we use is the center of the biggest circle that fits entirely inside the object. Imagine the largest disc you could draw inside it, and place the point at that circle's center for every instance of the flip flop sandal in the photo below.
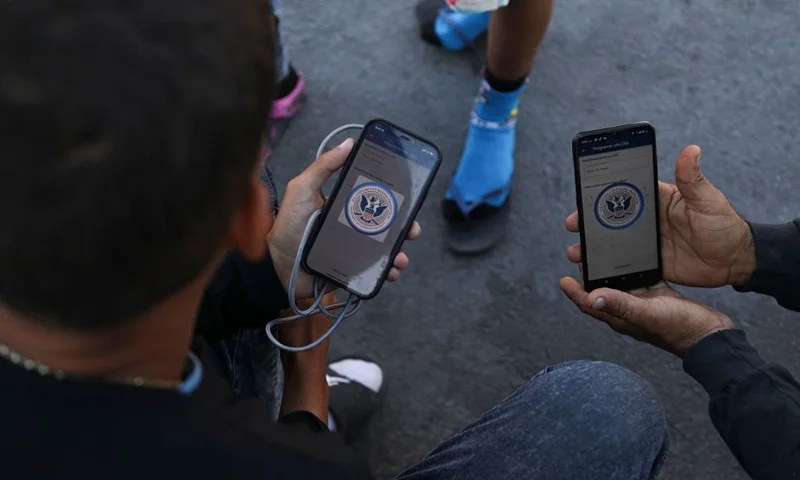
(474, 227)
(428, 10)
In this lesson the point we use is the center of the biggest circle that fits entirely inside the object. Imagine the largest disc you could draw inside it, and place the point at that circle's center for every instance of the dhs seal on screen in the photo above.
(371, 208)
(619, 206)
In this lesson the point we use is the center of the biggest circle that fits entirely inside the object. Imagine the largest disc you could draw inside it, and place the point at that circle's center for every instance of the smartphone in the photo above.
(616, 180)
(371, 208)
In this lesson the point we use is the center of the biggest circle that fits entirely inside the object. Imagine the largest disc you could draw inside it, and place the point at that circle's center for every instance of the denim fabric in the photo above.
(577, 420)
(268, 180)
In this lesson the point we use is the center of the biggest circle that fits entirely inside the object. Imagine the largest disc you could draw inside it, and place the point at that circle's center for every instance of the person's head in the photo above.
(130, 134)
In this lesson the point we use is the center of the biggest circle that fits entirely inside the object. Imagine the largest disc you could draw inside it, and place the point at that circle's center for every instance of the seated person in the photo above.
(131, 135)
(755, 405)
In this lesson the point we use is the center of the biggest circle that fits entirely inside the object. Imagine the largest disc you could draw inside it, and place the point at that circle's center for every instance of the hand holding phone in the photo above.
(372, 208)
(657, 314)
(302, 198)
(704, 241)
(616, 180)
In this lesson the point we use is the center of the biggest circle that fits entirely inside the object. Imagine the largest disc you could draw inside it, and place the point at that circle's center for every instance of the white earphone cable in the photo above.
(321, 287)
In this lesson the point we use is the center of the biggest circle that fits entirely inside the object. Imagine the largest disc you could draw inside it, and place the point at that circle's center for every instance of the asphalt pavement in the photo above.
(456, 335)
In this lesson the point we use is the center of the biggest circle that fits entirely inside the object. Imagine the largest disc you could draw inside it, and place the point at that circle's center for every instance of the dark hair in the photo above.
(129, 131)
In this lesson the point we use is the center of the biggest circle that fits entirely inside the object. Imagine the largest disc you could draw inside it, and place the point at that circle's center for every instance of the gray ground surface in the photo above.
(456, 335)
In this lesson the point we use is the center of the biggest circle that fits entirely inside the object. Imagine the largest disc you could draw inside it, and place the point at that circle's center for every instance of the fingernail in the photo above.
(347, 143)
(599, 303)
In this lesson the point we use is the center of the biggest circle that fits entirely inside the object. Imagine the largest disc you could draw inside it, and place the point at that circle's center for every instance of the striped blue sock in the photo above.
(487, 162)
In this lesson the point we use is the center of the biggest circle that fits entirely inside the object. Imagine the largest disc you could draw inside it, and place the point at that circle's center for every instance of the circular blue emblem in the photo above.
(619, 206)
(371, 208)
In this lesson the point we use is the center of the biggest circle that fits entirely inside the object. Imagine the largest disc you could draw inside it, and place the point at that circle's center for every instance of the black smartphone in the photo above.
(371, 208)
(616, 181)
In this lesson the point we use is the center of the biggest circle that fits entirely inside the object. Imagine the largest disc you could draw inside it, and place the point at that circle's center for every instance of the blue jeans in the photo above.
(577, 420)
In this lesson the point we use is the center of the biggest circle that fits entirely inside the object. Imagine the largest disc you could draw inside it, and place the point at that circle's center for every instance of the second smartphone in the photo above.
(616, 178)
(367, 217)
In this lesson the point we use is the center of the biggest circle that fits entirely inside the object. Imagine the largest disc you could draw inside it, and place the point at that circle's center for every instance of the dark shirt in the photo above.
(85, 429)
(755, 405)
(241, 295)
(67, 428)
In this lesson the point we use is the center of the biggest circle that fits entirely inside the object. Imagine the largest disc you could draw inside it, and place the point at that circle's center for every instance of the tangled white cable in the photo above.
(321, 287)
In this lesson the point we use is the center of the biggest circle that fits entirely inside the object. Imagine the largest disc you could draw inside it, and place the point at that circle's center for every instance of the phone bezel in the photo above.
(630, 280)
(336, 190)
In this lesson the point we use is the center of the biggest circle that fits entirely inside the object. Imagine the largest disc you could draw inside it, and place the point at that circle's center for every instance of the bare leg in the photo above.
(515, 33)
(291, 84)
(476, 205)
(281, 55)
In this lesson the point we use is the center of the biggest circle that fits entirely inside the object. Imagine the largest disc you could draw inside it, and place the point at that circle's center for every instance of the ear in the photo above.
(252, 220)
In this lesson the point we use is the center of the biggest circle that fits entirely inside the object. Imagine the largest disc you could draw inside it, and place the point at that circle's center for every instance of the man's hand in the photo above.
(303, 197)
(657, 315)
(704, 242)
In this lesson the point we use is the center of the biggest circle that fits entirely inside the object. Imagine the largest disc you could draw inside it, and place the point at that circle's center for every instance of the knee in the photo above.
(604, 396)
(579, 416)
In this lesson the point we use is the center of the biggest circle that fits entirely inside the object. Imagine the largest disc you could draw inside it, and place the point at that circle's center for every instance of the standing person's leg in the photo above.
(515, 33)
(476, 204)
(291, 83)
(282, 65)
(577, 420)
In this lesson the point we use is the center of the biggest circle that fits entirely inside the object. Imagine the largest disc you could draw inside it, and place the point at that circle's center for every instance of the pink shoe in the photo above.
(284, 109)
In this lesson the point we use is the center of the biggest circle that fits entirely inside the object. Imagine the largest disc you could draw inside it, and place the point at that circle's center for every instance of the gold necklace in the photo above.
(43, 370)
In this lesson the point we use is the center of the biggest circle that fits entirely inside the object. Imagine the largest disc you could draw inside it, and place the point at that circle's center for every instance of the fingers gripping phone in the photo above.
(616, 178)
(373, 204)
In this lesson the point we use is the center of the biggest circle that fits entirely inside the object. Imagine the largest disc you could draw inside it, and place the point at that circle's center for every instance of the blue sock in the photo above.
(451, 26)
(487, 163)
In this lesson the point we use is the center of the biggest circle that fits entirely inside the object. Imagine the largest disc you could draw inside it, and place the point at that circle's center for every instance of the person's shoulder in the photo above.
(116, 431)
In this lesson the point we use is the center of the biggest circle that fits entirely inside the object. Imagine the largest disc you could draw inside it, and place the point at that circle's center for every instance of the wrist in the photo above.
(722, 322)
(745, 263)
(720, 359)
(283, 265)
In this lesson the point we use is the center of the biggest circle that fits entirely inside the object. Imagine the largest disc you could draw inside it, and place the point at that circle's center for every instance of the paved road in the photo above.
(457, 335)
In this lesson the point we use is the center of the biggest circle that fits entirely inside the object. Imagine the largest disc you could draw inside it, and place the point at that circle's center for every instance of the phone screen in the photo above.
(372, 207)
(618, 195)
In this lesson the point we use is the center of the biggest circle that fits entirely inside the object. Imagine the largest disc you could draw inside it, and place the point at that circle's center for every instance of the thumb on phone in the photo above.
(326, 165)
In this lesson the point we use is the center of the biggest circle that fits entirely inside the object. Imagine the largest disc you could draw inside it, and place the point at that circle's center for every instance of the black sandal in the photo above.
(474, 227)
